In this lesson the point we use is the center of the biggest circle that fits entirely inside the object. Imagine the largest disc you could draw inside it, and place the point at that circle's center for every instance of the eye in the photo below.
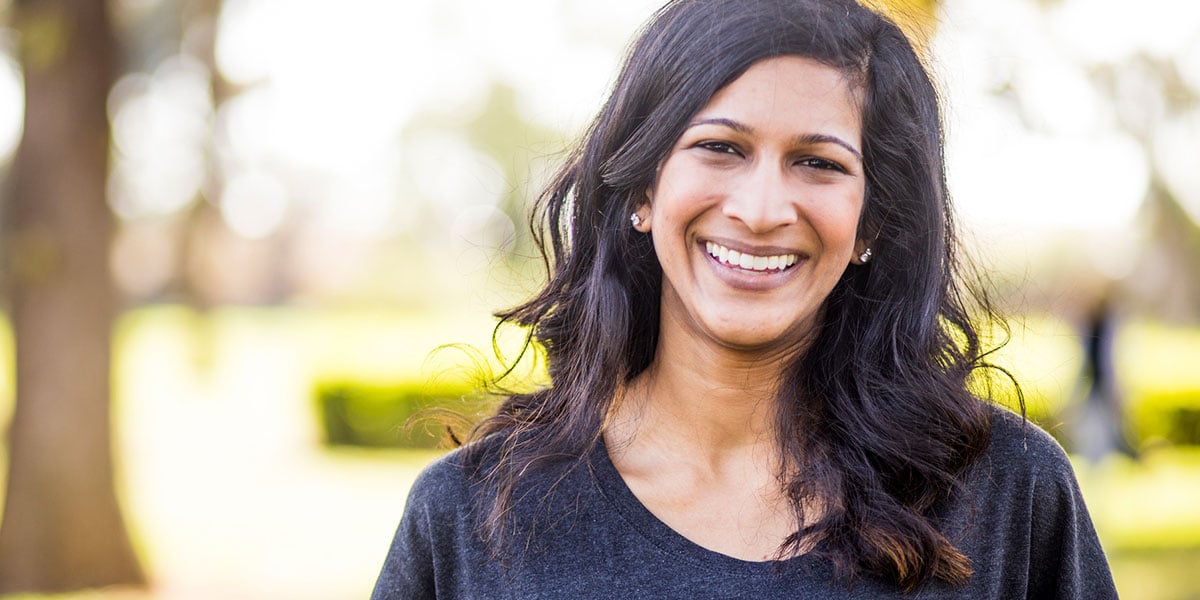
(719, 147)
(821, 163)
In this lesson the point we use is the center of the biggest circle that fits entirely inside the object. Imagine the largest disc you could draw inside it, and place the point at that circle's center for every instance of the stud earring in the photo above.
(865, 257)
(636, 219)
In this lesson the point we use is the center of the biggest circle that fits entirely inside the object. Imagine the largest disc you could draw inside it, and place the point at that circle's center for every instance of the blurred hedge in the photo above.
(1152, 417)
(416, 415)
(1166, 416)
(1157, 375)
(408, 415)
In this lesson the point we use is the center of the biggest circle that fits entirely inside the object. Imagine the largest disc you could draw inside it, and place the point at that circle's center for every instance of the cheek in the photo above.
(837, 224)
(680, 197)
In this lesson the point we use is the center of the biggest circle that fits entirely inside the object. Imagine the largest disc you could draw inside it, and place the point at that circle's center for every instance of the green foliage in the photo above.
(1157, 367)
(400, 415)
(1167, 416)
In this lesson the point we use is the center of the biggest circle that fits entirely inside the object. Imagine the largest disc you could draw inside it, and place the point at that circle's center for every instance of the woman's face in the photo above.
(755, 210)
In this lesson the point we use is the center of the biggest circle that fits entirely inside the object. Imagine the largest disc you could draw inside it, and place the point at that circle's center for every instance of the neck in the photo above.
(705, 401)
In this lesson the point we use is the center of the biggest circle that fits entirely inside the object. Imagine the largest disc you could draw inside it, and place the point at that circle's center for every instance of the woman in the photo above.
(759, 351)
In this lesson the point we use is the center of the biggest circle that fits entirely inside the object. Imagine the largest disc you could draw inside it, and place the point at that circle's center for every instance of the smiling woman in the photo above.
(760, 351)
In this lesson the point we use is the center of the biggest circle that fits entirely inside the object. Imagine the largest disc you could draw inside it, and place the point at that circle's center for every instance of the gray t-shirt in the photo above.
(1020, 519)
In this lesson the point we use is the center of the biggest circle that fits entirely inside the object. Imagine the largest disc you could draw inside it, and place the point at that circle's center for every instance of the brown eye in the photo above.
(821, 163)
(719, 147)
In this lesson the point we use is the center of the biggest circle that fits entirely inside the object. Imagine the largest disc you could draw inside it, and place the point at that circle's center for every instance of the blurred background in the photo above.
(234, 232)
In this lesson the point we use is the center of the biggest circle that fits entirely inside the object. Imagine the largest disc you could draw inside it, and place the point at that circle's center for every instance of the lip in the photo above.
(755, 281)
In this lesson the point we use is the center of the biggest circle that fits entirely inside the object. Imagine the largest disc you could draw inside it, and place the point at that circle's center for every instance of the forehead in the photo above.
(789, 92)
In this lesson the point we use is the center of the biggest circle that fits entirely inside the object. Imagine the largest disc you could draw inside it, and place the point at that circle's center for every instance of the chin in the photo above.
(756, 337)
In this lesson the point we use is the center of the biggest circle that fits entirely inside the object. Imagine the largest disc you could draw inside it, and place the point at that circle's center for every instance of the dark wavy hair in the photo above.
(876, 420)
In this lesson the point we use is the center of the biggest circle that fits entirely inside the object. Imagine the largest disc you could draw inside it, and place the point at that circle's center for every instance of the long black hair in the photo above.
(875, 421)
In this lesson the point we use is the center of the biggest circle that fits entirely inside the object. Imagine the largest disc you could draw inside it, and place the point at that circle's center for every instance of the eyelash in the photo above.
(812, 161)
(720, 147)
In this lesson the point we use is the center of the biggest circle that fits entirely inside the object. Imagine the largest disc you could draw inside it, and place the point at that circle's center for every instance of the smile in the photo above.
(750, 262)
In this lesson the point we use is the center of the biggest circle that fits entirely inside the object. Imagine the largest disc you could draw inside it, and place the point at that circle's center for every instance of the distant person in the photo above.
(1100, 422)
(759, 350)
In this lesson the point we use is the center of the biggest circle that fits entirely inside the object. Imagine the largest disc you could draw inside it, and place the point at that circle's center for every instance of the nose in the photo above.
(763, 200)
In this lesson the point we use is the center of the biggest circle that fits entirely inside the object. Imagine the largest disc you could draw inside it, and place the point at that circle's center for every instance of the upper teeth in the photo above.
(778, 262)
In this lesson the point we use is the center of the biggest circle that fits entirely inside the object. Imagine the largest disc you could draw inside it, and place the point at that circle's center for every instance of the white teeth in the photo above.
(750, 262)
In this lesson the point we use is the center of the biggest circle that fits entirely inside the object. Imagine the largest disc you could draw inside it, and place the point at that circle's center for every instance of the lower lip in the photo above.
(744, 279)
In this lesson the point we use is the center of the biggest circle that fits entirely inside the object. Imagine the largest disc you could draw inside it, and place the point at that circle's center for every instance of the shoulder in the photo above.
(1023, 483)
(1016, 437)
(452, 479)
(1019, 449)
(1024, 469)
(1024, 521)
(446, 476)
(441, 515)
(436, 546)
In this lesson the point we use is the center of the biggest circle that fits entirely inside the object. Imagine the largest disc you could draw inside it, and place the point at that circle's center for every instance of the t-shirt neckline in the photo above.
(644, 523)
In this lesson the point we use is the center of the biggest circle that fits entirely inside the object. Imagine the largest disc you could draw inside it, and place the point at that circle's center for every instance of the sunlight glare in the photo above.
(341, 82)
(254, 204)
(12, 104)
(1112, 30)
(452, 175)
(161, 124)
(1189, 63)
(1057, 163)
(1177, 152)
(364, 203)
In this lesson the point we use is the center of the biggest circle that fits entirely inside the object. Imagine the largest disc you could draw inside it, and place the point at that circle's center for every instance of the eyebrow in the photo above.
(804, 139)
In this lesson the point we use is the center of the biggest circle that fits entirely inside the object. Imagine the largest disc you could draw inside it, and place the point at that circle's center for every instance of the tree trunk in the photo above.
(62, 527)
